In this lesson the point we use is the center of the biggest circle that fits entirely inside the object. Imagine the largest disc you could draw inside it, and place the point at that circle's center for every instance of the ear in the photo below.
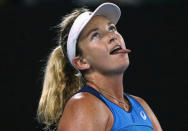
(80, 63)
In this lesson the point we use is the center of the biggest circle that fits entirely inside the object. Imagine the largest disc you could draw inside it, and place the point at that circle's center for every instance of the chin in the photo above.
(121, 68)
(125, 65)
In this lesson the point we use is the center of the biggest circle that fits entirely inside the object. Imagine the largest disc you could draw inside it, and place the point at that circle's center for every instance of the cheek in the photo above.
(94, 48)
(95, 54)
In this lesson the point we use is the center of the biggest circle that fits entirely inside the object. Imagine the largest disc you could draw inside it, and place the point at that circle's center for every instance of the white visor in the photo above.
(109, 10)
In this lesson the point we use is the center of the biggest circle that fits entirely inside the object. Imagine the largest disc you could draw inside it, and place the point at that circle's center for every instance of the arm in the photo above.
(83, 113)
(153, 118)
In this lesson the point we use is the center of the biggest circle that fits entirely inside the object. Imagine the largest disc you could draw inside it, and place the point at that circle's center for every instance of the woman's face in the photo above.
(98, 42)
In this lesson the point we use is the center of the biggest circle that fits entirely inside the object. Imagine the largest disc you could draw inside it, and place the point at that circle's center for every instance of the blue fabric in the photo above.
(136, 119)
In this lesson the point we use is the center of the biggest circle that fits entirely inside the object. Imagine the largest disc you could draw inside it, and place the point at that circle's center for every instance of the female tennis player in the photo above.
(83, 83)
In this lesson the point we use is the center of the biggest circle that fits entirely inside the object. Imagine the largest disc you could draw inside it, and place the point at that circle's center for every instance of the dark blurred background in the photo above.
(155, 30)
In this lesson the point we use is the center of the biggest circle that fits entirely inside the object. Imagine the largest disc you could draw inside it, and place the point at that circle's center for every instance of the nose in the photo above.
(112, 37)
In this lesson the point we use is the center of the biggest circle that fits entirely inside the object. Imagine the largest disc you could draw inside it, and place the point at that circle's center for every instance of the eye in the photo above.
(112, 28)
(95, 35)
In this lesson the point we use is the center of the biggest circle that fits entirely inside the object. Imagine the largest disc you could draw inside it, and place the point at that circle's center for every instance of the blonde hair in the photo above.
(60, 82)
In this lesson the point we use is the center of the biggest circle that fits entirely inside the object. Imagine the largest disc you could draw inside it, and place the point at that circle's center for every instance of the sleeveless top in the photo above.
(136, 119)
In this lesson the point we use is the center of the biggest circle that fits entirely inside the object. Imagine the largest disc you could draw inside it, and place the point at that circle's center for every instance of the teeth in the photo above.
(115, 49)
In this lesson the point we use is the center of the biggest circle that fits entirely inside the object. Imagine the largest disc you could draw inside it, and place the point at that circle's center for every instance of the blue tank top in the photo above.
(136, 119)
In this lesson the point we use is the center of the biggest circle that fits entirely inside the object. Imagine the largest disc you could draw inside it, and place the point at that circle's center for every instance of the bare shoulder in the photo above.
(150, 113)
(83, 112)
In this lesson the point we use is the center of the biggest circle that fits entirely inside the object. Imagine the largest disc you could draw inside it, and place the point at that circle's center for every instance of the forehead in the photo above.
(95, 22)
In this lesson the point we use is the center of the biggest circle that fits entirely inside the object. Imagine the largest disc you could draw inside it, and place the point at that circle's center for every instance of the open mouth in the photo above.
(118, 50)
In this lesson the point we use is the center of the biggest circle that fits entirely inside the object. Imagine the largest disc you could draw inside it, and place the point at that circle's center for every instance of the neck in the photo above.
(111, 84)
